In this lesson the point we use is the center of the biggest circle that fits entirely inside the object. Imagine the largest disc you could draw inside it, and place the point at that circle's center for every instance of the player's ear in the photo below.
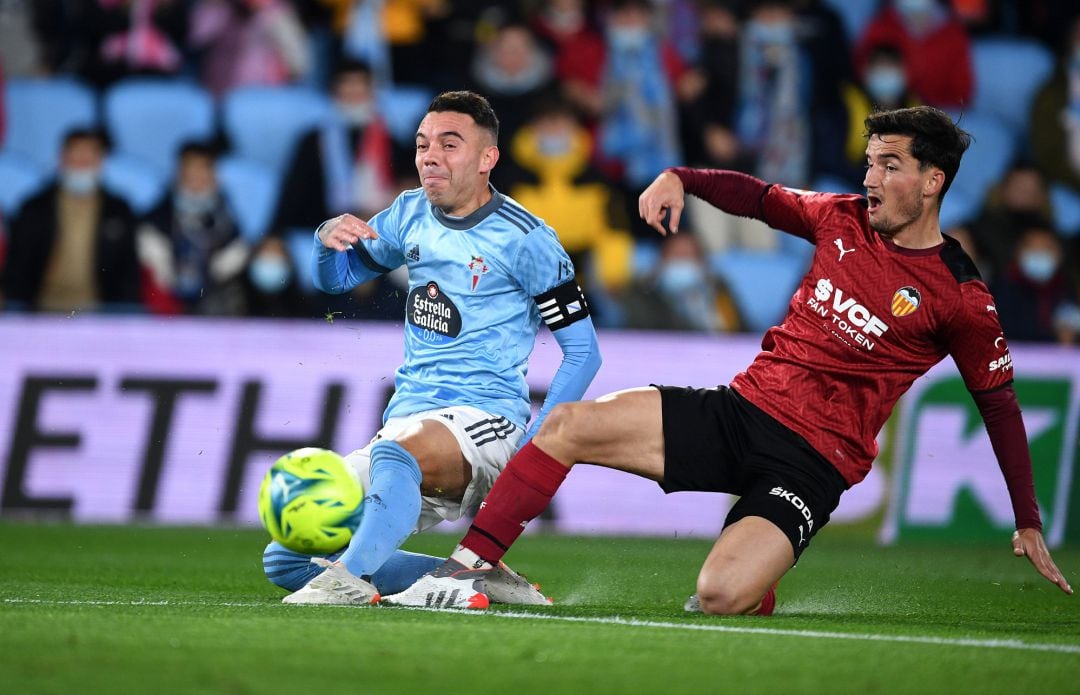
(934, 182)
(488, 158)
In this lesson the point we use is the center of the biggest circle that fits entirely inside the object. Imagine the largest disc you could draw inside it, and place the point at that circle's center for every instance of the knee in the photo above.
(562, 425)
(722, 598)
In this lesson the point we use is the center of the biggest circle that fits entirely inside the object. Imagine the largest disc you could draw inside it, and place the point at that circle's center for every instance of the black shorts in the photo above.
(717, 441)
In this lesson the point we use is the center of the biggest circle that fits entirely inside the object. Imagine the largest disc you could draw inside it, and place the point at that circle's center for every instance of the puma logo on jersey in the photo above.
(840, 245)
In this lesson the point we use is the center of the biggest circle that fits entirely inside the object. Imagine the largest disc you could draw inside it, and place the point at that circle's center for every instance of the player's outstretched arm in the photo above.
(1029, 542)
(664, 194)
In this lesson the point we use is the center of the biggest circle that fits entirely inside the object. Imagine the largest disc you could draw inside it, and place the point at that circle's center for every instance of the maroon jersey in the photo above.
(867, 320)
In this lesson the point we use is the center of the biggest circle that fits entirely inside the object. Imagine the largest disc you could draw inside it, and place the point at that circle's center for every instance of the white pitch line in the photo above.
(631, 622)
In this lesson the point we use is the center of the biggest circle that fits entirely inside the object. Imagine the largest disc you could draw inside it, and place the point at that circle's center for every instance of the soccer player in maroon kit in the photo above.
(887, 296)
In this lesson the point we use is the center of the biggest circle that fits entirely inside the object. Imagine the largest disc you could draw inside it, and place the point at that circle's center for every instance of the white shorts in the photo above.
(487, 442)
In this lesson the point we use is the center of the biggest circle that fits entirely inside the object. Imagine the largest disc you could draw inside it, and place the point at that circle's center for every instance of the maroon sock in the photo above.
(520, 493)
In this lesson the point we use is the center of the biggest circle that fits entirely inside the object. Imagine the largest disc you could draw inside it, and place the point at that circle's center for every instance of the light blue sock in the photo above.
(391, 508)
(291, 570)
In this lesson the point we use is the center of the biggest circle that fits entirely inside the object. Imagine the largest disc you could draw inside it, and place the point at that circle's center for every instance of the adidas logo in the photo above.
(437, 600)
(413, 253)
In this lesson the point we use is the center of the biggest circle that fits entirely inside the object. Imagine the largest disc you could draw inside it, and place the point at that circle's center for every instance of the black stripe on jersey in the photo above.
(563, 305)
(521, 213)
(368, 261)
(958, 262)
(512, 220)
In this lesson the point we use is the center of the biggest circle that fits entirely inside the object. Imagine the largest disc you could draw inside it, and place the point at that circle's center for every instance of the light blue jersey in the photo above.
(478, 288)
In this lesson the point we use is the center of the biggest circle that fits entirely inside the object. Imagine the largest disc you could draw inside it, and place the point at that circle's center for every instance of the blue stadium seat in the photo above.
(251, 189)
(19, 179)
(762, 283)
(986, 161)
(151, 118)
(403, 107)
(41, 112)
(1066, 204)
(137, 182)
(299, 243)
(1008, 73)
(263, 124)
(958, 208)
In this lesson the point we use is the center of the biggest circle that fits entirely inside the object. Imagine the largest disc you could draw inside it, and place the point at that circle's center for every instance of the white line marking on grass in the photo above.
(629, 622)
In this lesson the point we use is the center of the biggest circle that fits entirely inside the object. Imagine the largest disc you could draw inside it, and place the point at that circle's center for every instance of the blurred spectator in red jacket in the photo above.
(935, 45)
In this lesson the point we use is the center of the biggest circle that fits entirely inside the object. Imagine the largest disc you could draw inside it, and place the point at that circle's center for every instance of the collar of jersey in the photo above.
(473, 218)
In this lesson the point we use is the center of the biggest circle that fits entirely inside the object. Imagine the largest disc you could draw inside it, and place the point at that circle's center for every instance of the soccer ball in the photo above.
(309, 502)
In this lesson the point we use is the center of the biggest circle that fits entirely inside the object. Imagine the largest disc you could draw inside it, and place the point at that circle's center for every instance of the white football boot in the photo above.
(336, 586)
(504, 585)
(450, 585)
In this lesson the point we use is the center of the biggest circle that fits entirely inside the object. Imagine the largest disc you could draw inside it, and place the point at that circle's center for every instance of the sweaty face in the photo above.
(894, 184)
(453, 158)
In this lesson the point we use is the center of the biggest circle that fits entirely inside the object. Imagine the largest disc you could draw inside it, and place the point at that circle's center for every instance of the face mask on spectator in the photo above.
(194, 203)
(677, 277)
(885, 84)
(269, 274)
(79, 181)
(553, 145)
(357, 114)
(1038, 266)
(628, 38)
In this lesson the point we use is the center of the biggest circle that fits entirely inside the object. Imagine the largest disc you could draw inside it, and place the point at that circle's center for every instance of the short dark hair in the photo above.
(87, 133)
(471, 104)
(199, 148)
(935, 139)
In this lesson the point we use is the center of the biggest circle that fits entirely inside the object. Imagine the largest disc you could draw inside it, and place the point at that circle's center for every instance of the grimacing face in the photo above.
(894, 183)
(453, 158)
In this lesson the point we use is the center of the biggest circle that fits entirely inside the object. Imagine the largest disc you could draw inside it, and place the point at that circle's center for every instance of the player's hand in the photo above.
(343, 231)
(1029, 542)
(664, 194)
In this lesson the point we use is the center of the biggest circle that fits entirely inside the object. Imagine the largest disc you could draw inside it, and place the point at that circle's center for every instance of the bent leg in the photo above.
(292, 570)
(623, 431)
(749, 557)
(424, 458)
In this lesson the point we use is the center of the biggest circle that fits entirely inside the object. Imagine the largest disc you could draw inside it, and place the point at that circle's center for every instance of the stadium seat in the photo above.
(958, 208)
(263, 124)
(986, 161)
(299, 243)
(761, 282)
(19, 179)
(151, 118)
(403, 107)
(1008, 73)
(39, 114)
(137, 182)
(1066, 205)
(251, 189)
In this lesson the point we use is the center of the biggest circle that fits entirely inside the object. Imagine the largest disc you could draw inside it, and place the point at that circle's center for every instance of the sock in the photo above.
(391, 508)
(291, 570)
(520, 493)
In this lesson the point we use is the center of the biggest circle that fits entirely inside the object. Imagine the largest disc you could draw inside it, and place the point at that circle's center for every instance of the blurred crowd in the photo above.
(594, 99)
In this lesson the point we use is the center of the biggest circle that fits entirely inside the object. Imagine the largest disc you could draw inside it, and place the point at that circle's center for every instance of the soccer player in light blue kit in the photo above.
(483, 273)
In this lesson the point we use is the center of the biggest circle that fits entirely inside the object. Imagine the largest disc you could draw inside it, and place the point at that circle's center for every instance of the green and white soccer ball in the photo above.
(309, 502)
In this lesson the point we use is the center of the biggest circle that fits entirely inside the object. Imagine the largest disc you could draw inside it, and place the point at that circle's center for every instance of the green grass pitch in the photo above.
(163, 610)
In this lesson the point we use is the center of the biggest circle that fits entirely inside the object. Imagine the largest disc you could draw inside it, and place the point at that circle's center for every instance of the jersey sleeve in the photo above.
(385, 253)
(546, 273)
(976, 342)
(804, 213)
